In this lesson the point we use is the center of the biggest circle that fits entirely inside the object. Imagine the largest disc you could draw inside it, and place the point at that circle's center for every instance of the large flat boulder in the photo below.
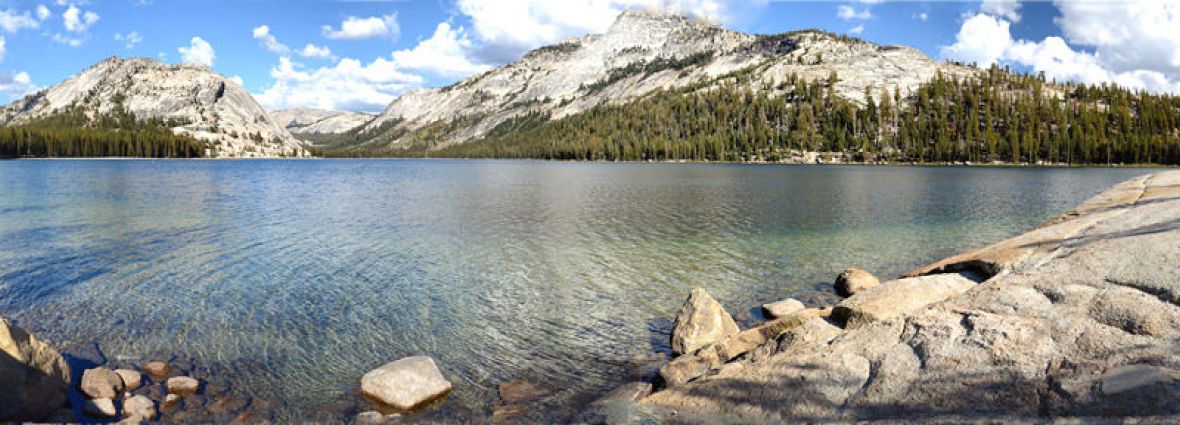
(34, 378)
(700, 322)
(899, 297)
(405, 384)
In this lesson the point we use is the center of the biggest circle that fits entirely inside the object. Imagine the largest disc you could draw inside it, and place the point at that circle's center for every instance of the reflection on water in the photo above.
(290, 279)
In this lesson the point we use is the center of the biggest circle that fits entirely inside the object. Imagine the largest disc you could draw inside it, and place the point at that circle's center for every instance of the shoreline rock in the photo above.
(1079, 318)
(34, 377)
(405, 384)
(700, 322)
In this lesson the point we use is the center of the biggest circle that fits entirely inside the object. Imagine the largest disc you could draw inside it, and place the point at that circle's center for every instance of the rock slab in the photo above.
(701, 322)
(182, 385)
(782, 308)
(139, 407)
(899, 297)
(34, 378)
(131, 379)
(405, 384)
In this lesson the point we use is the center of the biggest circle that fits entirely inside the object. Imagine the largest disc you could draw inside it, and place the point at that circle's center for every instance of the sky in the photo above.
(361, 54)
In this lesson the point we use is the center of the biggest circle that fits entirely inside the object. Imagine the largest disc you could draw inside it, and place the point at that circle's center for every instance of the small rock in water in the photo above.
(170, 404)
(853, 281)
(405, 384)
(370, 418)
(139, 407)
(157, 370)
(782, 308)
(507, 414)
(101, 382)
(517, 391)
(700, 322)
(99, 407)
(131, 378)
(182, 385)
(227, 405)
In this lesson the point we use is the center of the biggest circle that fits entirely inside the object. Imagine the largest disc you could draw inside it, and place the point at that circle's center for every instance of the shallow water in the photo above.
(290, 279)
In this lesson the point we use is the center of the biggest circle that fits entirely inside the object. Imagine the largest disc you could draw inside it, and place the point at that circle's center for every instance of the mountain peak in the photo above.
(639, 18)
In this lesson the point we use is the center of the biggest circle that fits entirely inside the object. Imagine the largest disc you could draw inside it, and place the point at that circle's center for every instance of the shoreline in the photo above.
(1078, 317)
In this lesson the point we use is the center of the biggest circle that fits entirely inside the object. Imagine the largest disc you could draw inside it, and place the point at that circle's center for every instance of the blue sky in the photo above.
(359, 54)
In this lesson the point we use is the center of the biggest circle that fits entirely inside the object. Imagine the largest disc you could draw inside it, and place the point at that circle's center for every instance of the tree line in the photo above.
(120, 134)
(998, 116)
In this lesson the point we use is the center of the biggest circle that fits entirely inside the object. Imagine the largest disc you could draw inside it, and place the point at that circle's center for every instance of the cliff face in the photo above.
(318, 121)
(643, 52)
(207, 105)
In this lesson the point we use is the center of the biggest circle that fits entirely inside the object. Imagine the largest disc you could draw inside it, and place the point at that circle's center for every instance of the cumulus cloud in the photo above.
(1134, 44)
(847, 13)
(1007, 9)
(43, 12)
(77, 21)
(12, 21)
(981, 40)
(198, 52)
(349, 85)
(354, 28)
(3, 48)
(268, 40)
(857, 29)
(16, 86)
(443, 54)
(129, 40)
(314, 51)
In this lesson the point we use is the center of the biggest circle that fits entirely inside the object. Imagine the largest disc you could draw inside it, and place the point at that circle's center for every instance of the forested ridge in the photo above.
(121, 134)
(999, 116)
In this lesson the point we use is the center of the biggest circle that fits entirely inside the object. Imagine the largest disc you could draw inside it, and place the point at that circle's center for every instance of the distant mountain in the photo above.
(190, 100)
(643, 52)
(317, 121)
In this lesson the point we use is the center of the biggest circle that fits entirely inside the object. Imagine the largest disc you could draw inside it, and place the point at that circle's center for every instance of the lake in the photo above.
(288, 280)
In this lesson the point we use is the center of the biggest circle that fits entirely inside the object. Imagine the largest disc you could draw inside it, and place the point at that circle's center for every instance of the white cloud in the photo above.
(1135, 44)
(1008, 9)
(981, 40)
(16, 86)
(198, 52)
(923, 16)
(11, 21)
(846, 13)
(130, 39)
(354, 28)
(237, 79)
(314, 51)
(349, 85)
(43, 12)
(443, 54)
(77, 21)
(857, 29)
(67, 40)
(3, 48)
(262, 34)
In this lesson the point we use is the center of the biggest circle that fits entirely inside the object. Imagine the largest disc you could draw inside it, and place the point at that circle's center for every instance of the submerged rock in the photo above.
(782, 308)
(157, 370)
(139, 407)
(34, 378)
(101, 382)
(182, 385)
(700, 322)
(853, 281)
(99, 407)
(405, 384)
(517, 391)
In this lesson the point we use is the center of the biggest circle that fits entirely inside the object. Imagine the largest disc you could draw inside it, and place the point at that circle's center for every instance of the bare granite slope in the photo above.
(207, 105)
(319, 121)
(1078, 318)
(643, 51)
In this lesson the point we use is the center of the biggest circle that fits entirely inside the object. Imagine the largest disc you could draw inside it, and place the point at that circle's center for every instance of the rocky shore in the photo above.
(1079, 318)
